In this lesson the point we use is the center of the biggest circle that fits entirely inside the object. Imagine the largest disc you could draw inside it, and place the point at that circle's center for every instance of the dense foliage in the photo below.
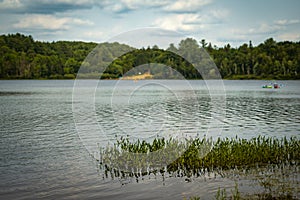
(271, 59)
(22, 57)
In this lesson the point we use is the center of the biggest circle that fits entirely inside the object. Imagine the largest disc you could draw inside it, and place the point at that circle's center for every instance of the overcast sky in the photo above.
(218, 21)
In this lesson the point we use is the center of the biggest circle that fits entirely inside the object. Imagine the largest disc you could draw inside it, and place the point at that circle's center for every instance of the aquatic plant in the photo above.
(140, 158)
(221, 194)
(236, 195)
(194, 157)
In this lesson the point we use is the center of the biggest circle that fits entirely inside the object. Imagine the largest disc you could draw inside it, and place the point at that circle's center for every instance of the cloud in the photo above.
(285, 22)
(136, 4)
(150, 36)
(126, 6)
(218, 15)
(57, 6)
(49, 22)
(262, 29)
(289, 36)
(186, 6)
(118, 6)
(277, 29)
(10, 4)
(92, 35)
(180, 22)
(191, 22)
(45, 6)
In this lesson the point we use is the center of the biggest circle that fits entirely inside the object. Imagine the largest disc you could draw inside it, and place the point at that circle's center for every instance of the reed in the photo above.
(195, 157)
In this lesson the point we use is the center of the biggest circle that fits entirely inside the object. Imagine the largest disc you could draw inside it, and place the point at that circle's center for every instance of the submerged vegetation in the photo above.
(235, 194)
(21, 57)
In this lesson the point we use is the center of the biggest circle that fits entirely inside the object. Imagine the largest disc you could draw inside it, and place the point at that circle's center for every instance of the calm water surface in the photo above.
(43, 157)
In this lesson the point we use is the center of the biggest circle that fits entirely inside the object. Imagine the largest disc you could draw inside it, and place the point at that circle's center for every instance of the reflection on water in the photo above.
(263, 115)
(250, 111)
(42, 156)
(8, 93)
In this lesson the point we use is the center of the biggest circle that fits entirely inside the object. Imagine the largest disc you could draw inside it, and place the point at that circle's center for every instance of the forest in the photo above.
(21, 57)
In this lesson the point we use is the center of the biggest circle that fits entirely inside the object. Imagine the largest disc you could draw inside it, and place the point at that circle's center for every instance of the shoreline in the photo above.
(132, 78)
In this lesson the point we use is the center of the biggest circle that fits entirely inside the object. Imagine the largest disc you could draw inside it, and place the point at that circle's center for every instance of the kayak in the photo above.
(271, 85)
(276, 86)
(267, 86)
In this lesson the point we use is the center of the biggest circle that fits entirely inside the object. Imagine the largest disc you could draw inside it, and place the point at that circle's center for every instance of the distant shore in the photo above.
(148, 75)
(138, 77)
(143, 77)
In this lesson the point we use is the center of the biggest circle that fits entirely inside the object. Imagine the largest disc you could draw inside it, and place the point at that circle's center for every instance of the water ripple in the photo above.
(42, 156)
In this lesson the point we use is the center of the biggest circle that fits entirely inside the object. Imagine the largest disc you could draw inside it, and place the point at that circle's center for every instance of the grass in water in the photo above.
(200, 156)
(197, 156)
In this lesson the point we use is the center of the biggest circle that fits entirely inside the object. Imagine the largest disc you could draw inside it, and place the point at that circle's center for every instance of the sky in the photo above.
(220, 22)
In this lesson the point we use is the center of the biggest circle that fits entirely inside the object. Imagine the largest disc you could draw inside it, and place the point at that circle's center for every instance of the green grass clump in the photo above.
(197, 156)
(231, 153)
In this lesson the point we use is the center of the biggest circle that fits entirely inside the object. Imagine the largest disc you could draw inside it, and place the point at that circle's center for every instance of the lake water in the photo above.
(44, 126)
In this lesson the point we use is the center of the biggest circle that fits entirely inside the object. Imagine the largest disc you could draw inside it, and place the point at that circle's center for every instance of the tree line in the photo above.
(21, 57)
